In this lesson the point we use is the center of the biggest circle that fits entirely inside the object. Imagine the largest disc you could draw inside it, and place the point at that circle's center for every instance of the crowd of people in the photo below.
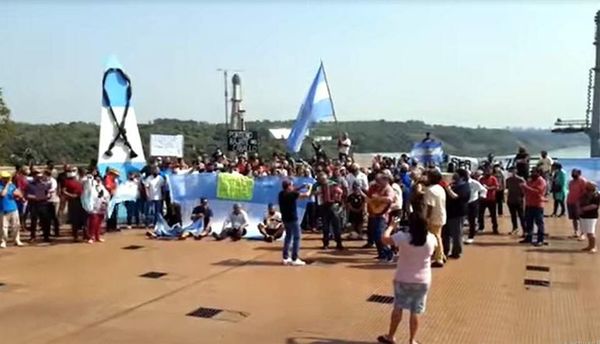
(407, 212)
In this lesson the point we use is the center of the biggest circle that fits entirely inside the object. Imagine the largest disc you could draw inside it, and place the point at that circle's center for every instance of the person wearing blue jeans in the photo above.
(154, 210)
(375, 227)
(534, 215)
(289, 216)
(535, 192)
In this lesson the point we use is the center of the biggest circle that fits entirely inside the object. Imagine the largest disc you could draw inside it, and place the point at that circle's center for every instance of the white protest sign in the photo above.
(166, 145)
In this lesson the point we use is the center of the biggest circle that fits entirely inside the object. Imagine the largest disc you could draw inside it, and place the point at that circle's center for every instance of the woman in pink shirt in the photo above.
(413, 274)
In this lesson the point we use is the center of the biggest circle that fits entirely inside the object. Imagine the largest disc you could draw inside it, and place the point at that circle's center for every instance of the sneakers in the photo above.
(19, 244)
(298, 262)
(91, 241)
(469, 241)
(287, 261)
(100, 240)
(3, 244)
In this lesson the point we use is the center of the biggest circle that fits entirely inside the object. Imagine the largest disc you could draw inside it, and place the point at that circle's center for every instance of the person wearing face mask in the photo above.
(458, 194)
(96, 205)
(576, 190)
(535, 191)
(72, 189)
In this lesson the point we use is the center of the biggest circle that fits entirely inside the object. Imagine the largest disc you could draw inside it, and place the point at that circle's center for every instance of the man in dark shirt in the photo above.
(37, 197)
(356, 209)
(289, 215)
(203, 211)
(458, 194)
(514, 200)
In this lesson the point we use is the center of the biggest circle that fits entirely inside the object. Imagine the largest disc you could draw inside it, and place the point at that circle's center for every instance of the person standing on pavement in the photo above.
(559, 189)
(435, 213)
(535, 191)
(590, 201)
(576, 190)
(72, 190)
(457, 198)
(288, 207)
(515, 200)
(9, 211)
(499, 174)
(37, 197)
(477, 193)
(491, 184)
(545, 165)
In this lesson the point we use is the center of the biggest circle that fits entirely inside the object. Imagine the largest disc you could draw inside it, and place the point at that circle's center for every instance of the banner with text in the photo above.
(166, 145)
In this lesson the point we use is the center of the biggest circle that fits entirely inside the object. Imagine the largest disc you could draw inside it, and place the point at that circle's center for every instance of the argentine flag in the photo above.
(317, 106)
(427, 152)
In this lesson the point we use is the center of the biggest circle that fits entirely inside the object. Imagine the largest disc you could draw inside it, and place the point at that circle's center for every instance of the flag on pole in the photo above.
(317, 106)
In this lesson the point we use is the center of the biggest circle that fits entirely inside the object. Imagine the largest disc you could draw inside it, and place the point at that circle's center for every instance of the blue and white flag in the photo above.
(317, 106)
(427, 152)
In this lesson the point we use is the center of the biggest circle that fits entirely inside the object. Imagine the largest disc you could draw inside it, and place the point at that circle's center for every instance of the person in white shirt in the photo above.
(545, 164)
(358, 177)
(154, 184)
(477, 191)
(235, 225)
(53, 200)
(272, 227)
(435, 213)
(344, 144)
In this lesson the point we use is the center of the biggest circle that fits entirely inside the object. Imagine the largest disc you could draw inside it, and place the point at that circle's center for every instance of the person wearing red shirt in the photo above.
(576, 191)
(491, 184)
(110, 183)
(72, 189)
(535, 191)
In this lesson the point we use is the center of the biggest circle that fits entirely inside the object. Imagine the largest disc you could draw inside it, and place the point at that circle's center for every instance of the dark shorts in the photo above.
(573, 212)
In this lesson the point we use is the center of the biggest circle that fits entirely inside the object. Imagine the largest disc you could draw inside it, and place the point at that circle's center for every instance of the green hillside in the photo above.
(78, 141)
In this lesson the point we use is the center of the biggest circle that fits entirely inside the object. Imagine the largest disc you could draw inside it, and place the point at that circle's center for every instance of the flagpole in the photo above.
(337, 125)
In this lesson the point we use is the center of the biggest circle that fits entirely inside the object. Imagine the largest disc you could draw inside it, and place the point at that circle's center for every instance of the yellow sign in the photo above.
(235, 187)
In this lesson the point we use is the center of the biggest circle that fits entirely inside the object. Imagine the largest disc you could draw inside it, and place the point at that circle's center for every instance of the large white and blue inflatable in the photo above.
(120, 145)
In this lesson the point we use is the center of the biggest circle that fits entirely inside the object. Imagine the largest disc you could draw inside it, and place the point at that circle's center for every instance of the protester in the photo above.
(457, 198)
(435, 213)
(380, 197)
(72, 191)
(37, 197)
(522, 163)
(272, 226)
(412, 279)
(9, 211)
(534, 190)
(545, 165)
(328, 194)
(588, 206)
(288, 197)
(154, 190)
(53, 200)
(576, 191)
(477, 192)
(499, 174)
(358, 177)
(203, 211)
(515, 200)
(344, 144)
(96, 205)
(132, 206)
(489, 202)
(559, 189)
(111, 181)
(235, 225)
(355, 203)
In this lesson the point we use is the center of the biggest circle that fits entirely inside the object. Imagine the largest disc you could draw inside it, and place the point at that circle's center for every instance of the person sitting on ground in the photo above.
(413, 274)
(203, 211)
(235, 225)
(272, 227)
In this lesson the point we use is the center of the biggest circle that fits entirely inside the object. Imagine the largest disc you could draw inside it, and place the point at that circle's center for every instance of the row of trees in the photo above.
(78, 141)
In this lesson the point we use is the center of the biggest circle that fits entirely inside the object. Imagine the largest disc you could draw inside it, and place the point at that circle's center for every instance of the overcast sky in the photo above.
(493, 64)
